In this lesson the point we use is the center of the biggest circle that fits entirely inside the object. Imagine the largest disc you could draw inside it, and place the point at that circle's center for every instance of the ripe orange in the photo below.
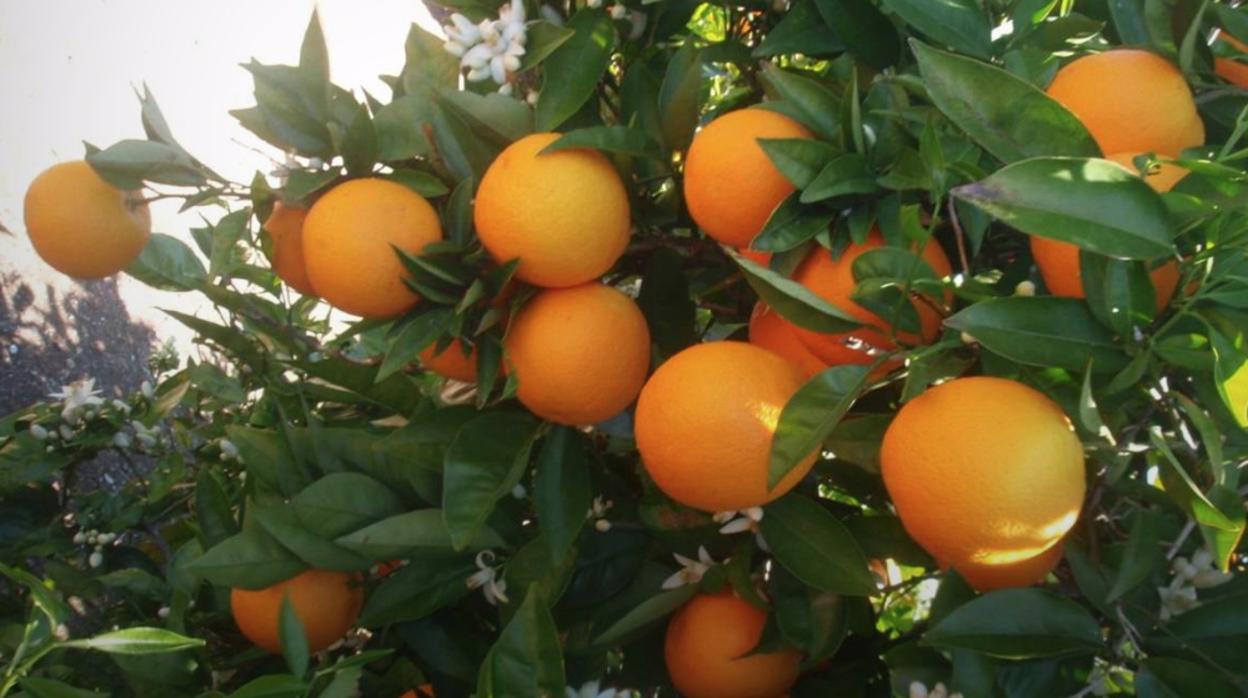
(987, 475)
(1230, 69)
(349, 239)
(1058, 261)
(772, 332)
(709, 647)
(565, 215)
(1131, 101)
(327, 603)
(731, 186)
(285, 225)
(760, 258)
(425, 691)
(580, 354)
(833, 281)
(451, 362)
(705, 421)
(83, 226)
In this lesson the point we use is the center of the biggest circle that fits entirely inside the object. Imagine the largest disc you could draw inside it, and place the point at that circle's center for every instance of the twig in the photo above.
(959, 236)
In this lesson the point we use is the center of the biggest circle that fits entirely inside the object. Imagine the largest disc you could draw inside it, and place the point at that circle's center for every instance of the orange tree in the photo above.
(810, 348)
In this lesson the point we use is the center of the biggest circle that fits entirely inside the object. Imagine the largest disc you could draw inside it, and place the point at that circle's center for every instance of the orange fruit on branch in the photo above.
(327, 603)
(451, 362)
(285, 226)
(772, 332)
(1131, 101)
(580, 354)
(833, 281)
(705, 421)
(83, 226)
(349, 241)
(731, 186)
(565, 215)
(987, 475)
(709, 651)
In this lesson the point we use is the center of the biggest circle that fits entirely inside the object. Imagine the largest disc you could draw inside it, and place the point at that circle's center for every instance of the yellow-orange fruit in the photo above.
(833, 281)
(1131, 101)
(349, 241)
(772, 332)
(705, 421)
(709, 651)
(1058, 261)
(758, 257)
(987, 475)
(451, 362)
(565, 215)
(1230, 69)
(83, 226)
(327, 603)
(285, 226)
(731, 186)
(580, 354)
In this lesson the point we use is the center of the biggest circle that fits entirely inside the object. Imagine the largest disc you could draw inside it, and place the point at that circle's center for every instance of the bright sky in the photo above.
(68, 68)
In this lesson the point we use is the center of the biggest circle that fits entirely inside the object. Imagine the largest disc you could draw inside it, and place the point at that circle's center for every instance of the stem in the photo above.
(959, 236)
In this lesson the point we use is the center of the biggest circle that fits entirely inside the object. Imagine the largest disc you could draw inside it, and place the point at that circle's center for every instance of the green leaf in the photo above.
(1230, 370)
(644, 615)
(1095, 204)
(814, 621)
(415, 533)
(313, 54)
(793, 301)
(484, 462)
(428, 65)
(1005, 114)
(958, 24)
(418, 590)
(419, 181)
(791, 225)
(1169, 677)
(37, 687)
(801, 30)
(1018, 624)
(800, 160)
(562, 492)
(573, 70)
(168, 264)
(499, 118)
(815, 104)
(1217, 630)
(1141, 556)
(251, 559)
(816, 547)
(458, 213)
(400, 129)
(212, 509)
(128, 164)
(1041, 331)
(284, 525)
(272, 686)
(416, 334)
(136, 641)
(811, 415)
(359, 145)
(844, 175)
(527, 659)
(343, 502)
(867, 33)
(293, 638)
(1120, 292)
(610, 139)
(680, 96)
(541, 40)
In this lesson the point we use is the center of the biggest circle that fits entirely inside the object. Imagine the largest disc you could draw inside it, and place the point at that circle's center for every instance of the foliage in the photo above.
(313, 442)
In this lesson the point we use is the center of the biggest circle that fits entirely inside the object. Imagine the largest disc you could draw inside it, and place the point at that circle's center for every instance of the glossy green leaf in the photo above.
(791, 225)
(793, 301)
(680, 97)
(527, 659)
(959, 24)
(484, 462)
(420, 532)
(1230, 370)
(867, 33)
(251, 559)
(542, 38)
(801, 30)
(816, 547)
(645, 614)
(168, 264)
(128, 164)
(136, 641)
(800, 160)
(293, 639)
(1041, 331)
(816, 104)
(811, 415)
(1170, 677)
(572, 71)
(611, 139)
(561, 489)
(417, 590)
(1142, 555)
(1018, 624)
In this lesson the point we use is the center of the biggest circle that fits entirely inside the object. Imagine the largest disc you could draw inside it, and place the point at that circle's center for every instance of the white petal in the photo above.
(675, 581)
(705, 556)
(506, 90)
(754, 513)
(479, 578)
(736, 526)
(684, 561)
(511, 63)
(478, 74)
(517, 11)
(454, 48)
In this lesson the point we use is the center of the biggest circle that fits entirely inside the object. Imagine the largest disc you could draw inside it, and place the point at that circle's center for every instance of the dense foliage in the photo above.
(503, 555)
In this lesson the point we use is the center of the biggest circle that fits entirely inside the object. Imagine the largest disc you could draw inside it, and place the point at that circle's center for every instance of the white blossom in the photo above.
(691, 571)
(121, 440)
(146, 436)
(96, 559)
(65, 432)
(38, 432)
(734, 522)
(486, 579)
(1025, 288)
(492, 48)
(918, 690)
(80, 538)
(532, 97)
(79, 394)
(121, 406)
(592, 690)
(146, 388)
(519, 492)
(228, 448)
(618, 11)
(550, 14)
(163, 612)
(593, 3)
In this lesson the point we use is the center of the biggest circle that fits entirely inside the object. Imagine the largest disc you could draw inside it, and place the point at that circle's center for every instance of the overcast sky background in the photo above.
(68, 69)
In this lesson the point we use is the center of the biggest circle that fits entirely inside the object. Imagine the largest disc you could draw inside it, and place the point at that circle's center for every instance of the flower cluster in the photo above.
(1189, 575)
(486, 578)
(490, 50)
(918, 690)
(97, 540)
(691, 571)
(733, 522)
(592, 690)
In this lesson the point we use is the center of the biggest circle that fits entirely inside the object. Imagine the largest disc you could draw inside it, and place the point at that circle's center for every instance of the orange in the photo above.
(987, 475)
(285, 225)
(451, 362)
(1058, 261)
(565, 215)
(327, 603)
(425, 691)
(772, 332)
(580, 354)
(83, 226)
(731, 186)
(758, 257)
(705, 421)
(1230, 69)
(833, 281)
(1131, 101)
(709, 651)
(349, 239)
